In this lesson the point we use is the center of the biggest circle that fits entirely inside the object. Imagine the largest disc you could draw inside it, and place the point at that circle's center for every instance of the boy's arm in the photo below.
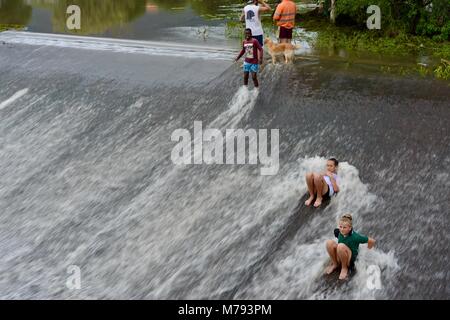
(371, 243)
(240, 54)
(242, 18)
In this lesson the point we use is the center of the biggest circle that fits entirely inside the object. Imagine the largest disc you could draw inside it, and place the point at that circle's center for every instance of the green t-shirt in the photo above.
(353, 241)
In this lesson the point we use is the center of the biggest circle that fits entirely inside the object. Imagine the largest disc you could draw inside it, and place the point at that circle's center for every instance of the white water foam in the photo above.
(118, 45)
(239, 108)
(14, 97)
(297, 273)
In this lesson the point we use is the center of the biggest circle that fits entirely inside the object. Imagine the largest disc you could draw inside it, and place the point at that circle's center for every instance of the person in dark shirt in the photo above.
(345, 251)
(253, 57)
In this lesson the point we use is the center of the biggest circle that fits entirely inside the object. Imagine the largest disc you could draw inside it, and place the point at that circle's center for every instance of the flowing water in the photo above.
(87, 177)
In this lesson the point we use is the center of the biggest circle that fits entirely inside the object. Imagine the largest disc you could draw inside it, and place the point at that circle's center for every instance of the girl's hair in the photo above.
(336, 163)
(347, 218)
(248, 29)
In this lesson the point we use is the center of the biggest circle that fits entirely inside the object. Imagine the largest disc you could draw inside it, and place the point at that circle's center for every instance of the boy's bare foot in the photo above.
(317, 203)
(331, 268)
(309, 201)
(344, 274)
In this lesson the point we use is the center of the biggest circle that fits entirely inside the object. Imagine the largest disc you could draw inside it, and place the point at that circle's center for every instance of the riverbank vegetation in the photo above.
(428, 18)
(5, 27)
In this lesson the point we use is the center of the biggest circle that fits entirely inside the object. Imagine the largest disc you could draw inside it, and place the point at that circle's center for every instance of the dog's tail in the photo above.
(297, 46)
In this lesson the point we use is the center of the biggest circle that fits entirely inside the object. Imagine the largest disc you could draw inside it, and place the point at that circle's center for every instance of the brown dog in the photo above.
(286, 50)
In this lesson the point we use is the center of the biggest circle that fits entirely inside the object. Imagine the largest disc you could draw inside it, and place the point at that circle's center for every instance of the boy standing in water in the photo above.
(345, 252)
(253, 57)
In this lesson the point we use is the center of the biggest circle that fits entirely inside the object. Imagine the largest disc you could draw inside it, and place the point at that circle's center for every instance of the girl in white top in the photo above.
(323, 185)
(252, 16)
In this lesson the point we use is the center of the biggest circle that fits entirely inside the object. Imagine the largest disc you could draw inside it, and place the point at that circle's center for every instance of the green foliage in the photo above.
(423, 71)
(399, 43)
(354, 11)
(235, 29)
(5, 27)
(14, 12)
(435, 21)
(170, 4)
(429, 18)
(442, 72)
(442, 50)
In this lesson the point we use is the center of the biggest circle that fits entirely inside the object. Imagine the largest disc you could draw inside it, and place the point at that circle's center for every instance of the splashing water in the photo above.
(296, 271)
(239, 108)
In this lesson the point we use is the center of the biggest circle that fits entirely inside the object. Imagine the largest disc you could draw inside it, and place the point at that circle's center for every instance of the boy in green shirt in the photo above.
(345, 251)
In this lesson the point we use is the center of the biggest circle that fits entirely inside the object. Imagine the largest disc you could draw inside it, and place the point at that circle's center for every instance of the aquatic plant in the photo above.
(442, 71)
(5, 27)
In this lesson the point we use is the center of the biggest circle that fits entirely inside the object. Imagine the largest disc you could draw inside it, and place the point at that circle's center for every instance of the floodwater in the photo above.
(167, 20)
(88, 179)
(213, 23)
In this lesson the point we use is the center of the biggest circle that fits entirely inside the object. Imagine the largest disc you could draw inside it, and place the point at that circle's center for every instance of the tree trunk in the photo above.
(333, 11)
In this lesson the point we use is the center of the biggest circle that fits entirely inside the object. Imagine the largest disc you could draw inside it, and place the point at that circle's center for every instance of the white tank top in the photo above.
(330, 185)
(252, 19)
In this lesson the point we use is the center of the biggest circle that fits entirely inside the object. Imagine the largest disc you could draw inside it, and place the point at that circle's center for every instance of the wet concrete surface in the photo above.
(87, 177)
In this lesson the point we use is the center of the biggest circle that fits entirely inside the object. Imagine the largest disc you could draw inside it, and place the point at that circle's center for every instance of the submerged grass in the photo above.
(382, 43)
(442, 71)
(5, 27)
(398, 44)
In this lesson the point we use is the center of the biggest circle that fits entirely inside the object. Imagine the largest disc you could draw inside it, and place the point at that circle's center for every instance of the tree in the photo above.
(14, 12)
(423, 17)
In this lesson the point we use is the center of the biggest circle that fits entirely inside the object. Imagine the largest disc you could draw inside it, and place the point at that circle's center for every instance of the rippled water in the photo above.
(179, 20)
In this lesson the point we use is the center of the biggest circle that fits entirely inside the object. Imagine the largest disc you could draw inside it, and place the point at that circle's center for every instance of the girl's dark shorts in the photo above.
(326, 196)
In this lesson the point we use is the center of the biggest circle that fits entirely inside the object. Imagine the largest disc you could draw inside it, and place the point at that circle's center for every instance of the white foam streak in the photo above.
(239, 108)
(14, 98)
(118, 45)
